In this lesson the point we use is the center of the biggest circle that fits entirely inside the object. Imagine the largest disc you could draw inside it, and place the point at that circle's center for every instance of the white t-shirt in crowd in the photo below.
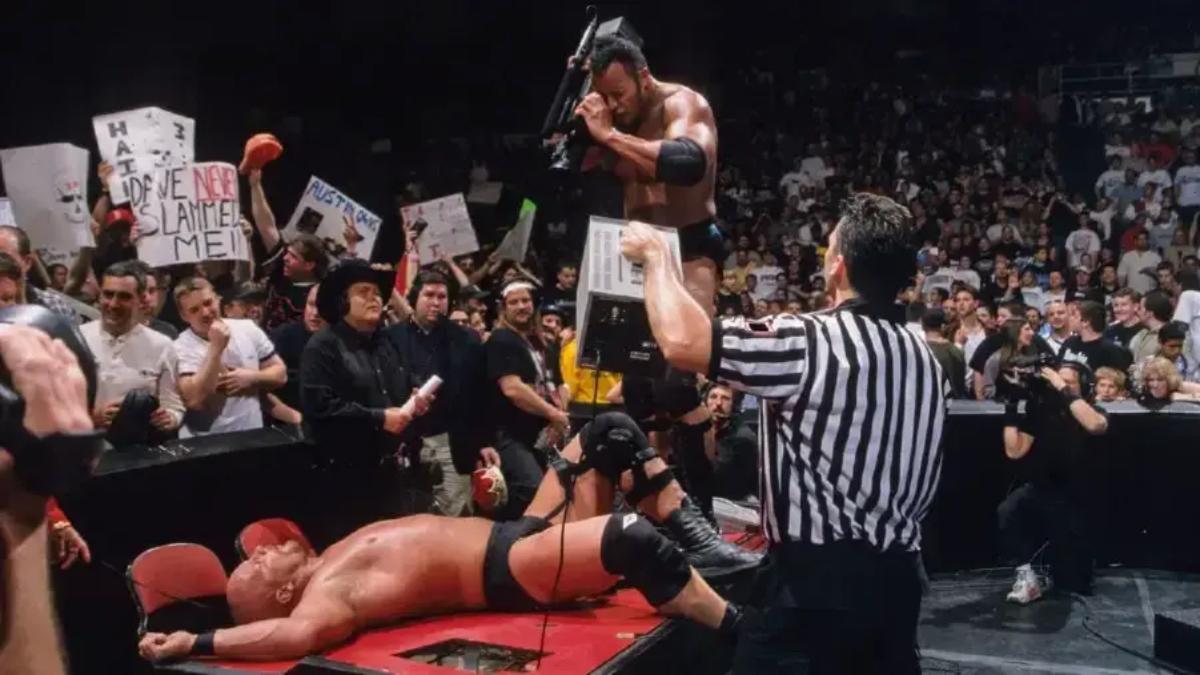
(1188, 312)
(767, 283)
(1160, 177)
(248, 348)
(1103, 221)
(792, 181)
(1129, 270)
(1079, 242)
(140, 359)
(1109, 181)
(1121, 151)
(968, 276)
(1187, 185)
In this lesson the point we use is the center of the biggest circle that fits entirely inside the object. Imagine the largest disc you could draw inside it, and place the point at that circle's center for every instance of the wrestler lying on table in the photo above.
(290, 603)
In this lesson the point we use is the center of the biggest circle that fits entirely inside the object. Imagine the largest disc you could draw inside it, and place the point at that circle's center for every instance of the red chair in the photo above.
(269, 532)
(178, 587)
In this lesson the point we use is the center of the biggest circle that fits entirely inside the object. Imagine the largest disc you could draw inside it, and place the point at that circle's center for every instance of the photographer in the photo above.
(48, 376)
(1051, 443)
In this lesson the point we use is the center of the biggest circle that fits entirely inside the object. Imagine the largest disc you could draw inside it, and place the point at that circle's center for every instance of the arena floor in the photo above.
(966, 627)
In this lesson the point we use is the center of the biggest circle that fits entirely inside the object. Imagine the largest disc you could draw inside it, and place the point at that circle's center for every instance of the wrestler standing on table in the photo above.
(664, 138)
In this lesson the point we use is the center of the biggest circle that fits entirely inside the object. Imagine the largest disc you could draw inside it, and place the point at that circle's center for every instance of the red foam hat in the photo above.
(119, 216)
(260, 149)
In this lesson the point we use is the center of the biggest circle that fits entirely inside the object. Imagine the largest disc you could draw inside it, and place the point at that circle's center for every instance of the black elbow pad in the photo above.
(681, 161)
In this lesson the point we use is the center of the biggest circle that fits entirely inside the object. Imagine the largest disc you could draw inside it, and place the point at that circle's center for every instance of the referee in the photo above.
(849, 435)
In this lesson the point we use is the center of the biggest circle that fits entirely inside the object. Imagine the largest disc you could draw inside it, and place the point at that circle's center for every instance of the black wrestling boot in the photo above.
(703, 546)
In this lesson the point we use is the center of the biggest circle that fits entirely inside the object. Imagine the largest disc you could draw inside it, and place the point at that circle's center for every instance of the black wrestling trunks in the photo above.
(502, 591)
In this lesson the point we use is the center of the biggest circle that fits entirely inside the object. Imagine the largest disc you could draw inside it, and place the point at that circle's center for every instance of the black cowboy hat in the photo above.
(342, 275)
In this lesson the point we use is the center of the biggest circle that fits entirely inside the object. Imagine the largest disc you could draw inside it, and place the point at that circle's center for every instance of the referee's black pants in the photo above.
(838, 608)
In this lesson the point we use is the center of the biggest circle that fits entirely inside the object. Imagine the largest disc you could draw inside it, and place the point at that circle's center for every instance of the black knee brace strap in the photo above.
(613, 443)
(632, 548)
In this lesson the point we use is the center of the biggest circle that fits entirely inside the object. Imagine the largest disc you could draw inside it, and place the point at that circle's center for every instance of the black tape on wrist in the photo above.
(203, 646)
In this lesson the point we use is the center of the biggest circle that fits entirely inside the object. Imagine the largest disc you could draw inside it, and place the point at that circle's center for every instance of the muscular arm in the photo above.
(272, 374)
(687, 116)
(264, 218)
(524, 397)
(307, 631)
(681, 327)
(1088, 417)
(1016, 442)
(198, 388)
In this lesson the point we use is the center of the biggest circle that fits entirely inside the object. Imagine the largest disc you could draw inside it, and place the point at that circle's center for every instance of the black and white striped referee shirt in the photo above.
(850, 424)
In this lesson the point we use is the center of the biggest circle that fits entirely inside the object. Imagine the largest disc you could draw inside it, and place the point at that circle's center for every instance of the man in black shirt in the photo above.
(358, 401)
(948, 355)
(290, 339)
(1051, 443)
(1125, 310)
(736, 466)
(563, 291)
(453, 433)
(1088, 346)
(522, 403)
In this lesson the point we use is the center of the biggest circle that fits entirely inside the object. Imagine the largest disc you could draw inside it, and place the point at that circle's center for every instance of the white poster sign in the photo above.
(192, 215)
(515, 244)
(447, 229)
(322, 212)
(47, 187)
(139, 142)
(6, 212)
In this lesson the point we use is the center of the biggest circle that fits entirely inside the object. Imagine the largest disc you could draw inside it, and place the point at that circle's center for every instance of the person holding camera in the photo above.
(1051, 442)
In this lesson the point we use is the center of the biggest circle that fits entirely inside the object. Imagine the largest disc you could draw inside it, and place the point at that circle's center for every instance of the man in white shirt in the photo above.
(1187, 187)
(792, 181)
(1187, 312)
(1138, 267)
(1080, 241)
(1110, 180)
(970, 330)
(1155, 174)
(1057, 328)
(130, 356)
(814, 166)
(224, 364)
(766, 277)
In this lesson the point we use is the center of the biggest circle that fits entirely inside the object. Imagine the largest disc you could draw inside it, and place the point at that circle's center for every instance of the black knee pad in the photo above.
(613, 443)
(632, 548)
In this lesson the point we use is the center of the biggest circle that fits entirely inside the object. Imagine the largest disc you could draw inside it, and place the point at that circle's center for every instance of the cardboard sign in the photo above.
(322, 211)
(192, 215)
(447, 229)
(6, 212)
(515, 244)
(611, 323)
(47, 187)
(139, 142)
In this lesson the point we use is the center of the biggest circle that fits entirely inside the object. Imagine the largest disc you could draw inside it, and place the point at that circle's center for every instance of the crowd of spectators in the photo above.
(1012, 264)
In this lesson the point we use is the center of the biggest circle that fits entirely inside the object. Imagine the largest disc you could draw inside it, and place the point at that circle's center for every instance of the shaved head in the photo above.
(269, 584)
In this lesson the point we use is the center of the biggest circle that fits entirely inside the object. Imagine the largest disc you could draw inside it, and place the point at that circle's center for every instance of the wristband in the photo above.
(1012, 414)
(203, 646)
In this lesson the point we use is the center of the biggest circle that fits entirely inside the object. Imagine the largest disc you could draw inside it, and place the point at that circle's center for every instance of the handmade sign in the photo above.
(515, 244)
(6, 213)
(47, 190)
(444, 228)
(139, 142)
(192, 215)
(323, 210)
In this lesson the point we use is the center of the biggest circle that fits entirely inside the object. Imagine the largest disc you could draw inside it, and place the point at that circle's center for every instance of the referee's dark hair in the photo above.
(877, 242)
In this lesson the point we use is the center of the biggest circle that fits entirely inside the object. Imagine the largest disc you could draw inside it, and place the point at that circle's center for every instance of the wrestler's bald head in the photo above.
(268, 584)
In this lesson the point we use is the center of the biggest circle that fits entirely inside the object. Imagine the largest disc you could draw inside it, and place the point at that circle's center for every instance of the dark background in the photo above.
(330, 78)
